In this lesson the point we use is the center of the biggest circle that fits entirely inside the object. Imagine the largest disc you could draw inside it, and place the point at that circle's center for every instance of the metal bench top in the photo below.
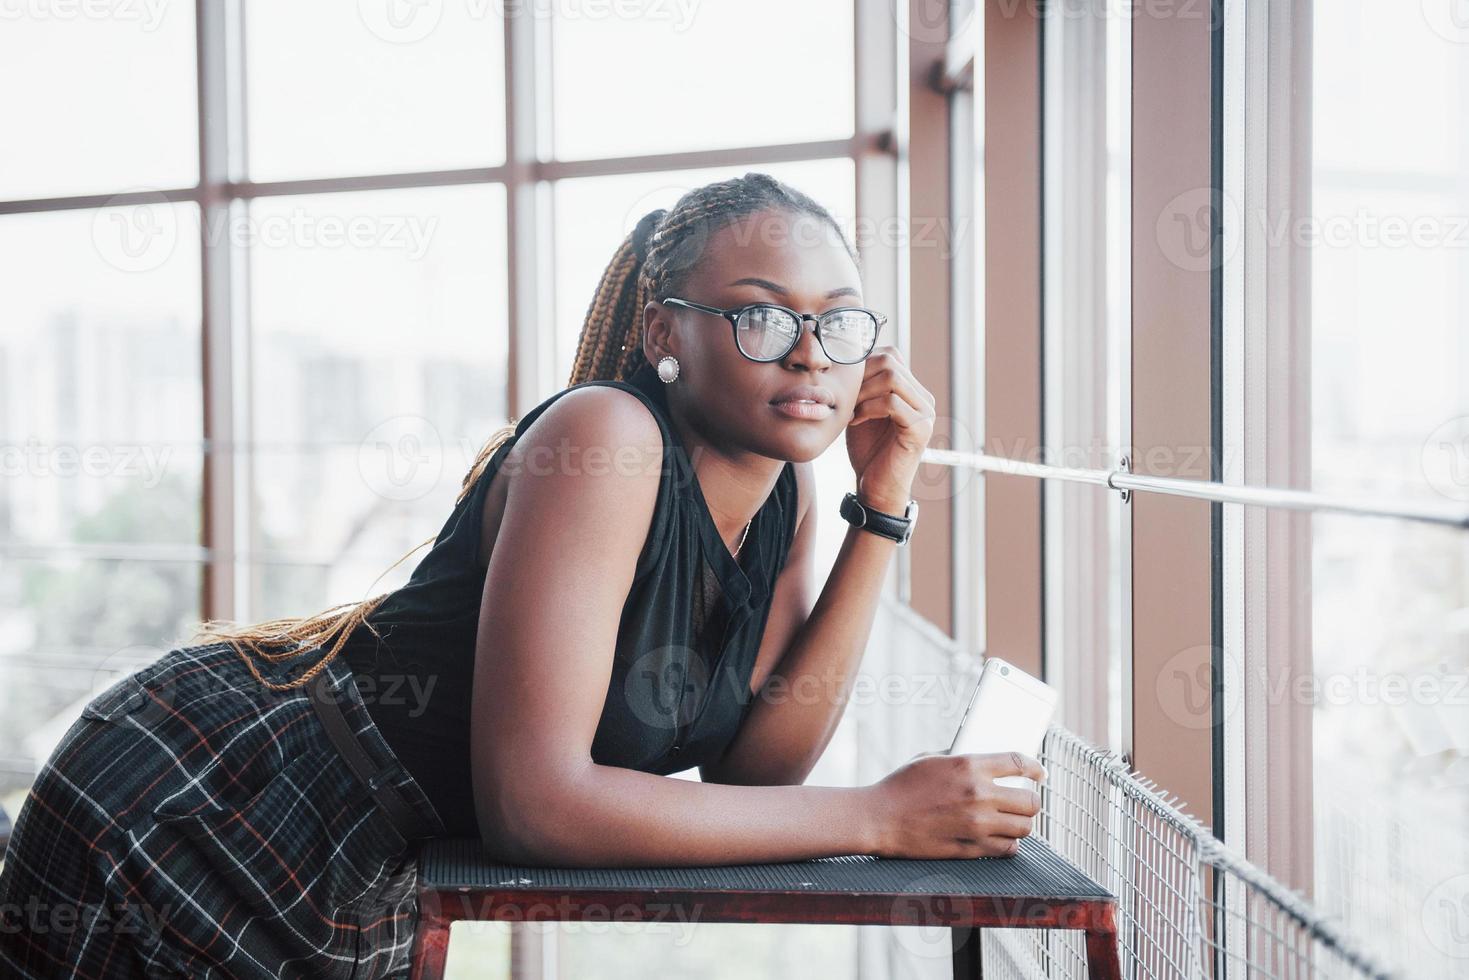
(1037, 871)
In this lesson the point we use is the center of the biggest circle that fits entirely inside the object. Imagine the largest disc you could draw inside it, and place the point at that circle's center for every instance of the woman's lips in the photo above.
(797, 409)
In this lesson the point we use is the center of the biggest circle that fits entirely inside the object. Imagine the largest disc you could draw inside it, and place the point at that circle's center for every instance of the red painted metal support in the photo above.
(439, 908)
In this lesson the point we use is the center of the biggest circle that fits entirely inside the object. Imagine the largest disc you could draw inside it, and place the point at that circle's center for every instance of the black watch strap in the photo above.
(899, 529)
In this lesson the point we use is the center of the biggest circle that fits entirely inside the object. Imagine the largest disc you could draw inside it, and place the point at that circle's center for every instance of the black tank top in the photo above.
(686, 642)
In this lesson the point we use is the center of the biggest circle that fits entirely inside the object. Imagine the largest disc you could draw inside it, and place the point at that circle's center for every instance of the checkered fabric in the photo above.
(193, 823)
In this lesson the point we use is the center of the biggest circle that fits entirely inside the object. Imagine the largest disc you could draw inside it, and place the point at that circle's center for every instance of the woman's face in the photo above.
(795, 261)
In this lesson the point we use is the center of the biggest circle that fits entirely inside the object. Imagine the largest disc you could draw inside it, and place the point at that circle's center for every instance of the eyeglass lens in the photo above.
(767, 333)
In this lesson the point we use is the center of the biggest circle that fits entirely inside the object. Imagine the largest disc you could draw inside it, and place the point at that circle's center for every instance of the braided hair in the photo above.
(654, 260)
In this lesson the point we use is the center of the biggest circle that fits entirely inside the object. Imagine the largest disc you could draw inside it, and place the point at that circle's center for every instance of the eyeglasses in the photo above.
(767, 332)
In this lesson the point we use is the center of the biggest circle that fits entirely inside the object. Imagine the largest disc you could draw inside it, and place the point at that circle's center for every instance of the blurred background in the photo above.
(271, 274)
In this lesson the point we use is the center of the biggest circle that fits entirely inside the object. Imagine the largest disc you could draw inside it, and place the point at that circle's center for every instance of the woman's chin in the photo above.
(804, 448)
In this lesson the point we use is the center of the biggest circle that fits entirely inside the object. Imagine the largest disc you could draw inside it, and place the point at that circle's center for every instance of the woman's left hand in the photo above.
(890, 428)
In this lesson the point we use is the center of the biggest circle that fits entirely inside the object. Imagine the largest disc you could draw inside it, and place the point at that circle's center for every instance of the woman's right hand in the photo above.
(948, 806)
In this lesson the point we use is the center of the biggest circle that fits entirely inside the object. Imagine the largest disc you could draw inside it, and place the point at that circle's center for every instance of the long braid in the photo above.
(653, 261)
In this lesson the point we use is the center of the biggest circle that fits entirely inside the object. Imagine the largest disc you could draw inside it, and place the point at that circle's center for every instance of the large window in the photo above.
(270, 279)
(1275, 317)
(1389, 297)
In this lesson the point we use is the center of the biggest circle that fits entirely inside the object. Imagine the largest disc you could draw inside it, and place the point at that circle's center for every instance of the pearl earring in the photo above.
(668, 369)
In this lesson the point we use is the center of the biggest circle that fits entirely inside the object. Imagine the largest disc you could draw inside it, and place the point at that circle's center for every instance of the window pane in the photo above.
(1391, 737)
(379, 371)
(623, 950)
(1086, 320)
(80, 624)
(1390, 294)
(695, 77)
(101, 418)
(1390, 416)
(98, 98)
(373, 87)
(100, 460)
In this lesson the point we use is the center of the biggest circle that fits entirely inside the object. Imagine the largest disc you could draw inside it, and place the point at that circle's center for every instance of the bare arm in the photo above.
(817, 651)
(561, 568)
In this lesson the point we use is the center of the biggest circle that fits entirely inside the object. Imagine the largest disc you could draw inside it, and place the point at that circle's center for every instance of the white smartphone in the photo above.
(1009, 711)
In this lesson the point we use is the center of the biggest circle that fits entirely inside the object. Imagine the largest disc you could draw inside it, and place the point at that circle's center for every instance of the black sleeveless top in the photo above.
(686, 643)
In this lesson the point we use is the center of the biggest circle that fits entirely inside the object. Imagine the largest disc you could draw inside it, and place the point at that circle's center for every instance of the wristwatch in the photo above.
(899, 529)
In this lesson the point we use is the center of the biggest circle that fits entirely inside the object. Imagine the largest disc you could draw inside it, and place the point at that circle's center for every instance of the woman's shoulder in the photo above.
(610, 415)
(592, 446)
(592, 455)
(614, 406)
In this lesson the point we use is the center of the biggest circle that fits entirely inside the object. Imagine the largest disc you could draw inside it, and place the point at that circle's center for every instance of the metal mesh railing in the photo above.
(1188, 907)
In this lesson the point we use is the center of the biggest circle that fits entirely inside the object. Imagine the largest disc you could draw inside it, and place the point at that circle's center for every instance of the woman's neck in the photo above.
(734, 485)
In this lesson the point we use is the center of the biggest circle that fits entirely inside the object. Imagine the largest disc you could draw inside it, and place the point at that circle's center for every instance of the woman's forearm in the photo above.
(606, 816)
(800, 705)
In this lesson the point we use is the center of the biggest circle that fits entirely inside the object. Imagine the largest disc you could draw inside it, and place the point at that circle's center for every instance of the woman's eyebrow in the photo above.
(778, 288)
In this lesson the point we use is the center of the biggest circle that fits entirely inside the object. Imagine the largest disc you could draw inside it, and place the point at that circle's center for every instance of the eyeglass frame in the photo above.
(733, 316)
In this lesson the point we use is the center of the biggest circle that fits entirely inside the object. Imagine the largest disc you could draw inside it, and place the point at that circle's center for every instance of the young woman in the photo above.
(623, 590)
